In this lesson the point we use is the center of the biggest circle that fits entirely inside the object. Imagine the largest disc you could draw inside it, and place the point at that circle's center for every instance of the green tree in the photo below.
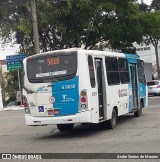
(144, 7)
(72, 23)
(155, 5)
(9, 85)
(12, 15)
(126, 28)
(151, 28)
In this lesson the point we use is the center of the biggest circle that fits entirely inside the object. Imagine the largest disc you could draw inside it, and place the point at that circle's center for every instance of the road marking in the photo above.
(152, 98)
(153, 106)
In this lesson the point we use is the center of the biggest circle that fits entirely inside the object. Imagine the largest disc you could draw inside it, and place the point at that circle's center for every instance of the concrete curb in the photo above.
(13, 108)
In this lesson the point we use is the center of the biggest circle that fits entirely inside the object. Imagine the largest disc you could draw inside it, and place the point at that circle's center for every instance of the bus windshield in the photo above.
(51, 67)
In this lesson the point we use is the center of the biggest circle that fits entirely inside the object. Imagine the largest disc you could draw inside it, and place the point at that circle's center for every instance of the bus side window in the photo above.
(91, 71)
(112, 70)
(141, 75)
(123, 69)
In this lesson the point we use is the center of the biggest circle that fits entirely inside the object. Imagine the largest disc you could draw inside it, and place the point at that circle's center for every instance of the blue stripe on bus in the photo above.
(142, 92)
(66, 96)
(132, 58)
(130, 97)
(142, 89)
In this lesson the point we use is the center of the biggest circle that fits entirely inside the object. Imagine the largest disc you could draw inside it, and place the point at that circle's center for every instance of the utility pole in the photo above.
(35, 26)
(1, 99)
(20, 88)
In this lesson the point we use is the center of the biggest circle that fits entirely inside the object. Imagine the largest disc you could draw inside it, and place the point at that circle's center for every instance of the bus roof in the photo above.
(90, 52)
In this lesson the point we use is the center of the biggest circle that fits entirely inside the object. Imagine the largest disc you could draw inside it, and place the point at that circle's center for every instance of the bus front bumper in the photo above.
(82, 117)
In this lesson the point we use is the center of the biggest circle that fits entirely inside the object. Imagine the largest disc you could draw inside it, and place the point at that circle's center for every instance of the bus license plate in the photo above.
(52, 112)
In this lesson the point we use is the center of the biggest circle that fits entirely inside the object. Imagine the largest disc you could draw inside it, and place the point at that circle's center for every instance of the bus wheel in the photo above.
(113, 121)
(138, 113)
(65, 127)
(110, 123)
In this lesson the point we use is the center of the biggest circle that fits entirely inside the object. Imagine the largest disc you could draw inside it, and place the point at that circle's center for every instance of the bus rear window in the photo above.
(51, 68)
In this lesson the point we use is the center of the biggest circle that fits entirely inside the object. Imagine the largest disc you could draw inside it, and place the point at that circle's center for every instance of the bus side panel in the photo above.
(84, 84)
(94, 106)
(117, 96)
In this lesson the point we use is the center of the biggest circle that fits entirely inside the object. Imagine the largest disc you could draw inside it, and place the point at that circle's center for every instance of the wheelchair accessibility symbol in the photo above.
(41, 108)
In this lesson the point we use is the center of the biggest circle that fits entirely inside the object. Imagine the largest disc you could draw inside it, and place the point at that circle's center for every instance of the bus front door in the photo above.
(99, 73)
(134, 83)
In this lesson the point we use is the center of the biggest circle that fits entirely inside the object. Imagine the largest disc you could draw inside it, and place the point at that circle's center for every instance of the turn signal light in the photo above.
(83, 93)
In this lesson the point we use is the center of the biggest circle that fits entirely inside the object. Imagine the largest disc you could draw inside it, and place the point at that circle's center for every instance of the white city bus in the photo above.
(71, 86)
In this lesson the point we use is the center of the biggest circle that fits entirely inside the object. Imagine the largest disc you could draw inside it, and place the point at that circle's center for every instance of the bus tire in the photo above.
(84, 123)
(138, 113)
(65, 127)
(110, 124)
(113, 121)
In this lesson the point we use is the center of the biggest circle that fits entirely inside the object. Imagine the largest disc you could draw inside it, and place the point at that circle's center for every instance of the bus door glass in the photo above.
(133, 71)
(99, 66)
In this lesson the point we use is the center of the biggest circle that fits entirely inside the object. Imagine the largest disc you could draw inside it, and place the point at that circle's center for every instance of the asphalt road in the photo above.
(132, 135)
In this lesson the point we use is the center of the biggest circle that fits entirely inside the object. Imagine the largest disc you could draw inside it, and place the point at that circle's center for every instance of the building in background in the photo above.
(147, 54)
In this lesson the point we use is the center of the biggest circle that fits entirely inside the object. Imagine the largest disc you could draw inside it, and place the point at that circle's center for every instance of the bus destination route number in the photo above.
(53, 61)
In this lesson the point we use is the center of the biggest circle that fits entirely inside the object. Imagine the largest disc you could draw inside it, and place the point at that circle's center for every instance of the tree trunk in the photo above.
(157, 61)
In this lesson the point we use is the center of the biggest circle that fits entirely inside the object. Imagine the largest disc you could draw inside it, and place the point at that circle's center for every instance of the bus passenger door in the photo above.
(99, 73)
(133, 71)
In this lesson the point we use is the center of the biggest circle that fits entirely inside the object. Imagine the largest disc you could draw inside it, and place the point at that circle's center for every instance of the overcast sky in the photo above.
(8, 51)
